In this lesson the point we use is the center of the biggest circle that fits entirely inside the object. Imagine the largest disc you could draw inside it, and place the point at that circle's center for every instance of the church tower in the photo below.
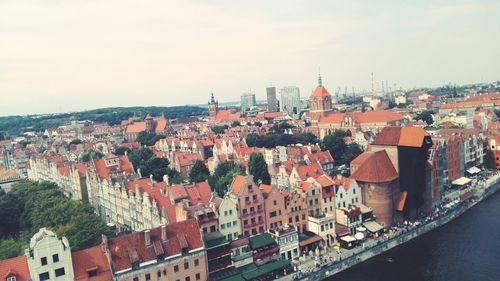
(149, 123)
(320, 101)
(213, 106)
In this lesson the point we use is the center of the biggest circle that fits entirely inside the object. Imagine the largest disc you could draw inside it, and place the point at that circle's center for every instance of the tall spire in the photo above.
(319, 78)
(212, 99)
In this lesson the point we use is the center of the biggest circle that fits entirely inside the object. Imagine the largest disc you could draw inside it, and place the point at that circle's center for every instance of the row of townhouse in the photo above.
(202, 147)
(169, 252)
(69, 176)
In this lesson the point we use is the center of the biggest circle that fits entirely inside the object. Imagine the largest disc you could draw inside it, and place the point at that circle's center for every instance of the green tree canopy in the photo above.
(90, 154)
(148, 139)
(257, 167)
(76, 141)
(425, 116)
(121, 150)
(223, 176)
(199, 172)
(220, 129)
(44, 205)
(279, 139)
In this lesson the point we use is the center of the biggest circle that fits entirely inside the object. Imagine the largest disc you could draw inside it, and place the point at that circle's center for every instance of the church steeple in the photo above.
(320, 82)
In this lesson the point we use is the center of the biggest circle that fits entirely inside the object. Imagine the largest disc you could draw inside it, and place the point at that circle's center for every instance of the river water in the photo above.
(465, 249)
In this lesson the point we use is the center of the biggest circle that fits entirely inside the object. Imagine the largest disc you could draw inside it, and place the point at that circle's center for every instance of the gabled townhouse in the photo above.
(347, 192)
(228, 216)
(312, 191)
(250, 205)
(274, 206)
(296, 209)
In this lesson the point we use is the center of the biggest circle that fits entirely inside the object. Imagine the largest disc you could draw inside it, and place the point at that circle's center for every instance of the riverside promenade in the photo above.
(311, 270)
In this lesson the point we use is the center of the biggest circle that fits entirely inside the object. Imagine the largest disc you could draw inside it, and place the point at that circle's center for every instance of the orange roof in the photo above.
(136, 127)
(238, 184)
(319, 92)
(324, 180)
(401, 201)
(401, 136)
(376, 168)
(91, 259)
(15, 267)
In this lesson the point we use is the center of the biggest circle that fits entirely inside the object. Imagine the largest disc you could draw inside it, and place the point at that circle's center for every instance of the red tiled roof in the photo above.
(309, 241)
(15, 267)
(313, 170)
(376, 168)
(136, 127)
(91, 259)
(185, 232)
(319, 92)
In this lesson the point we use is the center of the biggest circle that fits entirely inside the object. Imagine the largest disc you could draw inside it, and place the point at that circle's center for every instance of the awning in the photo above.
(310, 241)
(473, 170)
(461, 181)
(372, 226)
(348, 239)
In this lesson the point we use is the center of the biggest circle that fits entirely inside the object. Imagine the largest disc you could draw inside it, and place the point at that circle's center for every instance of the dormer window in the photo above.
(11, 278)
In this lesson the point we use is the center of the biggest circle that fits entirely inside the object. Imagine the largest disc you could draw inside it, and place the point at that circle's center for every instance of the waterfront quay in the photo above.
(333, 261)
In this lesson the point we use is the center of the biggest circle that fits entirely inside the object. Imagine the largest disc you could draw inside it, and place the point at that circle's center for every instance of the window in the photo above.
(230, 212)
(188, 278)
(176, 268)
(43, 261)
(275, 203)
(198, 277)
(60, 272)
(44, 276)
(12, 278)
(164, 272)
(158, 274)
(186, 265)
(223, 226)
(148, 277)
(136, 278)
(92, 272)
(55, 258)
(196, 262)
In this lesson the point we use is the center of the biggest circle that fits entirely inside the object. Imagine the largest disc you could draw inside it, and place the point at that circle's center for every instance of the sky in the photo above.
(70, 55)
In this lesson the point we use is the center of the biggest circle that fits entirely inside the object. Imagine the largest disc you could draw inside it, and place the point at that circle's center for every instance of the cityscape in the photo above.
(352, 179)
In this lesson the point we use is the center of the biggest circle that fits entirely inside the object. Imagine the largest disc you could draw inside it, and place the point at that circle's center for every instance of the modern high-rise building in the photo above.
(290, 101)
(272, 103)
(247, 101)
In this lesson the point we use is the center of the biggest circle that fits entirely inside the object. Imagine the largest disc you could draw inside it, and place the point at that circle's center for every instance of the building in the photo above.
(218, 253)
(48, 257)
(290, 101)
(264, 248)
(407, 148)
(296, 208)
(320, 101)
(272, 102)
(250, 205)
(213, 106)
(171, 252)
(379, 184)
(287, 238)
(324, 226)
(274, 206)
(247, 101)
(228, 216)
(158, 126)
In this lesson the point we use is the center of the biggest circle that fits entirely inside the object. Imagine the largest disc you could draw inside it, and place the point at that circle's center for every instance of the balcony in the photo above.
(260, 211)
(256, 201)
(245, 215)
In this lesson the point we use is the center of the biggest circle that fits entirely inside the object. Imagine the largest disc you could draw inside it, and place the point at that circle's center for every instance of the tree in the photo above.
(223, 176)
(220, 129)
(121, 150)
(258, 168)
(335, 144)
(91, 154)
(148, 139)
(199, 172)
(353, 150)
(235, 124)
(76, 141)
(174, 176)
(426, 116)
(139, 156)
(44, 205)
(9, 212)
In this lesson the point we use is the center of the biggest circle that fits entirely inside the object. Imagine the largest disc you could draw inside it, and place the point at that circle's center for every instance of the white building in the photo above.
(48, 257)
(247, 101)
(288, 242)
(323, 226)
(290, 101)
(227, 213)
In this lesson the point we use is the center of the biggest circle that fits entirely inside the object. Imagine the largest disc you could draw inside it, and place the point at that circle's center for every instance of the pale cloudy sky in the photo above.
(65, 55)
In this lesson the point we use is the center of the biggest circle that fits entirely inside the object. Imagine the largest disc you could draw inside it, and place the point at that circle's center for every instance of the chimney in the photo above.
(147, 237)
(166, 180)
(163, 233)
(151, 181)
